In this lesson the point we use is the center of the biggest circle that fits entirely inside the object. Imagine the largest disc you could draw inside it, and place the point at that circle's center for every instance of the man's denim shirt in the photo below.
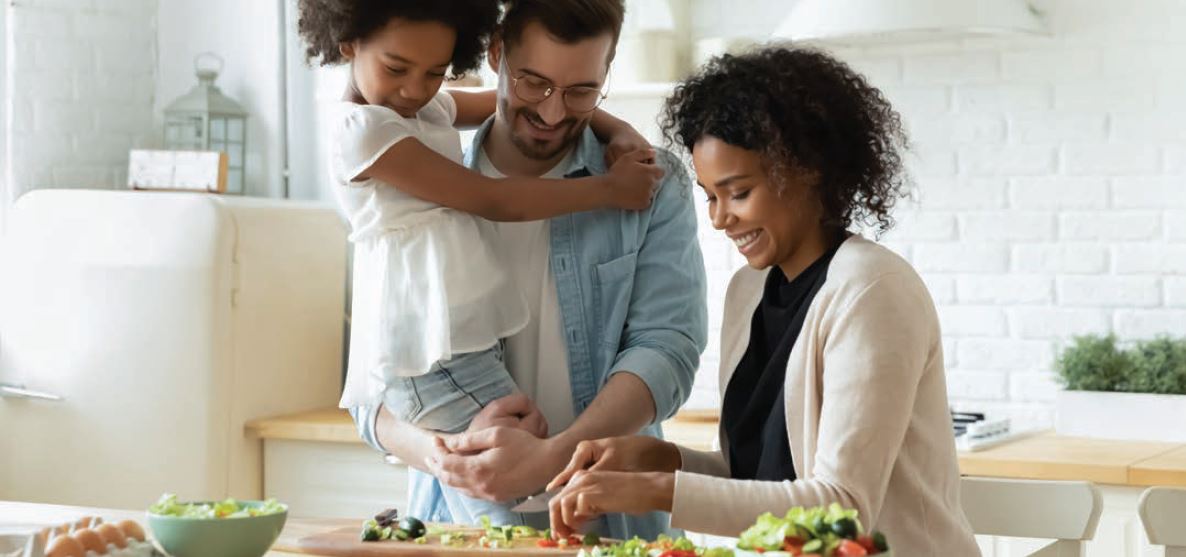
(631, 287)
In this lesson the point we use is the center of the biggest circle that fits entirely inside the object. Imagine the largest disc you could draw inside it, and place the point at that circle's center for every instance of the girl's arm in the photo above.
(473, 107)
(418, 171)
(619, 136)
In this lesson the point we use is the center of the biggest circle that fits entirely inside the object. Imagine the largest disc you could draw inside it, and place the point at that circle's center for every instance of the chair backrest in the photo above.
(1162, 510)
(1064, 511)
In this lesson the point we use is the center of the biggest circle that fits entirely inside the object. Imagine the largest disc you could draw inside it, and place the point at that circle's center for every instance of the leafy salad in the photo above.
(831, 531)
(168, 505)
(663, 547)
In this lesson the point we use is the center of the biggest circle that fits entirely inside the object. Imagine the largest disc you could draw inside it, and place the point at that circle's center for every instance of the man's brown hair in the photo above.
(569, 21)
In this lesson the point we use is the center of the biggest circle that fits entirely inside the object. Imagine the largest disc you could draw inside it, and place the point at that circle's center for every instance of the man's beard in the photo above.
(542, 151)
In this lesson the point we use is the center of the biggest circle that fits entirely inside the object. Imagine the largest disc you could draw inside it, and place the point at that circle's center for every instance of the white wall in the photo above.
(313, 92)
(1051, 174)
(81, 89)
(5, 130)
(246, 34)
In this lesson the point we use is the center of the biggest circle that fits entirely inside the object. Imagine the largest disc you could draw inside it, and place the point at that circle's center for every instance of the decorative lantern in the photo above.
(207, 120)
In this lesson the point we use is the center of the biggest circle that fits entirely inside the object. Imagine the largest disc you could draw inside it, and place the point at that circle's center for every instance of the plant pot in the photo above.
(1130, 416)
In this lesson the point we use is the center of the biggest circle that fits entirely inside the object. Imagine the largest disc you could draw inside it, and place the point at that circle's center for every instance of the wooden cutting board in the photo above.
(344, 542)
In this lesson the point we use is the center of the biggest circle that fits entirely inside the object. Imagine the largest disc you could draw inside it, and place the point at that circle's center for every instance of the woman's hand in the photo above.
(631, 453)
(591, 494)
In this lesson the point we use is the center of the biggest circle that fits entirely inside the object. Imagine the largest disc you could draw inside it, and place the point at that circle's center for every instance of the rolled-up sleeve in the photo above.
(364, 421)
(667, 322)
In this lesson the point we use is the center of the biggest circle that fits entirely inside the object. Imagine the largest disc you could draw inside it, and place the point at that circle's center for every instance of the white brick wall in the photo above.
(83, 79)
(1061, 162)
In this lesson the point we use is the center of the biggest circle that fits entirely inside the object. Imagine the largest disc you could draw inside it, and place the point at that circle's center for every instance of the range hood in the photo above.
(906, 21)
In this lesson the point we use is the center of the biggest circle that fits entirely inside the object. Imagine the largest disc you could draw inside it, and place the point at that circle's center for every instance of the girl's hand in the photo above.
(591, 494)
(633, 180)
(631, 453)
(625, 139)
(517, 411)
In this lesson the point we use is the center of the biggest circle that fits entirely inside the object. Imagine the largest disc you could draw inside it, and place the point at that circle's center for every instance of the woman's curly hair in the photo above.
(324, 24)
(806, 113)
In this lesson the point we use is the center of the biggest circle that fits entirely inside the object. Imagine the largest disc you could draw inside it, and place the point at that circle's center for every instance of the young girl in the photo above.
(430, 300)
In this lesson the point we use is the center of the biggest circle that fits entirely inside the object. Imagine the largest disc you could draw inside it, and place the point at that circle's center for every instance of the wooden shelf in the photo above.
(332, 425)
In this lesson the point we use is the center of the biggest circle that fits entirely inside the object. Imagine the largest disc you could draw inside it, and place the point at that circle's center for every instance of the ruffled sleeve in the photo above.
(446, 106)
(366, 132)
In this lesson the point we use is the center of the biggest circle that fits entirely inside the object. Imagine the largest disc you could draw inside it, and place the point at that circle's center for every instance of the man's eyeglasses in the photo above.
(534, 89)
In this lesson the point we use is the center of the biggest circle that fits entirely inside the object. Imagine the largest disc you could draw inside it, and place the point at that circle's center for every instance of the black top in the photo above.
(753, 414)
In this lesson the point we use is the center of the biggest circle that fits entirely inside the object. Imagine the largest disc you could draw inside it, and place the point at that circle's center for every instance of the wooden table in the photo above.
(14, 515)
(1048, 456)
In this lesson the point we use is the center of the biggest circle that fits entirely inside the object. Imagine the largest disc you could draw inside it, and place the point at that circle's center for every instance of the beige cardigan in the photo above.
(866, 408)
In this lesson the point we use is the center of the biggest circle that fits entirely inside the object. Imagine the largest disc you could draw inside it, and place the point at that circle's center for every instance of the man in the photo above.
(616, 298)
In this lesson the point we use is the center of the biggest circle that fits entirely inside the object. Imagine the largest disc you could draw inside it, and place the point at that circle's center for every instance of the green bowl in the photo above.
(250, 536)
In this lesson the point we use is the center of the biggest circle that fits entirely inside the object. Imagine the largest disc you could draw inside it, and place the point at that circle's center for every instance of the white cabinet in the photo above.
(332, 480)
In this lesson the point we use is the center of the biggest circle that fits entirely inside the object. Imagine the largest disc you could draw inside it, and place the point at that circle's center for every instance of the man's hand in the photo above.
(515, 410)
(632, 453)
(591, 494)
(499, 463)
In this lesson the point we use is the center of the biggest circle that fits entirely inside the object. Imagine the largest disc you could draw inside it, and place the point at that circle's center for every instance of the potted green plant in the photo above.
(1132, 390)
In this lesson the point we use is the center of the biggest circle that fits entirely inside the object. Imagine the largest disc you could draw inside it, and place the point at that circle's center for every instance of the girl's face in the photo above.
(767, 227)
(402, 65)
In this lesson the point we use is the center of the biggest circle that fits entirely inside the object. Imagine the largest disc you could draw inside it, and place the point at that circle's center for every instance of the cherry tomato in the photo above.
(547, 542)
(792, 548)
(849, 548)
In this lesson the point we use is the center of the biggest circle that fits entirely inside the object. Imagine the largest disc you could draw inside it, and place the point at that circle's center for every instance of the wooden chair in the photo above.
(1163, 511)
(1067, 512)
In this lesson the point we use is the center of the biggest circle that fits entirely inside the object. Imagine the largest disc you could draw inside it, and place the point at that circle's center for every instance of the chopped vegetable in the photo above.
(387, 517)
(413, 526)
(168, 505)
(525, 532)
(664, 546)
(369, 534)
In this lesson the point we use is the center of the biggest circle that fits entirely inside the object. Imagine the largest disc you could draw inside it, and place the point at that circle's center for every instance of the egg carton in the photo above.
(44, 543)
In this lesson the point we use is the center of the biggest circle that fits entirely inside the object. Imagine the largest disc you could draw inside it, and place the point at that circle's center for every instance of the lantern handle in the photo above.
(208, 71)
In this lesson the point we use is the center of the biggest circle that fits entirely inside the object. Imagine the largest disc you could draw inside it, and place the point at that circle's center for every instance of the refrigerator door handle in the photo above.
(8, 390)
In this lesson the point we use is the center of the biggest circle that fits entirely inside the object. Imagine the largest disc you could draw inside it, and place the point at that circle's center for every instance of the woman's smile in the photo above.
(746, 242)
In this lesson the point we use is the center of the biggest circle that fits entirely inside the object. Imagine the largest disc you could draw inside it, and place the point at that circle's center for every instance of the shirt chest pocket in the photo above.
(613, 285)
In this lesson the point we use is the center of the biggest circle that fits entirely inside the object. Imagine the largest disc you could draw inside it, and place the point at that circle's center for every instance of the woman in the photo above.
(832, 365)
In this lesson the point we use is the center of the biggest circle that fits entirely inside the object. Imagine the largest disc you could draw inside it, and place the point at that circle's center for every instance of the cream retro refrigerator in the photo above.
(139, 332)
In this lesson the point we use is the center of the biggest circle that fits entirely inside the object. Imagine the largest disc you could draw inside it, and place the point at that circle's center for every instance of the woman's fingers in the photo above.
(607, 460)
(584, 456)
(580, 502)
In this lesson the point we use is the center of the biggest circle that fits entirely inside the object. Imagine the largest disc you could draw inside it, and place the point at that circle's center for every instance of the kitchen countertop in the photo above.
(692, 428)
(1045, 456)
